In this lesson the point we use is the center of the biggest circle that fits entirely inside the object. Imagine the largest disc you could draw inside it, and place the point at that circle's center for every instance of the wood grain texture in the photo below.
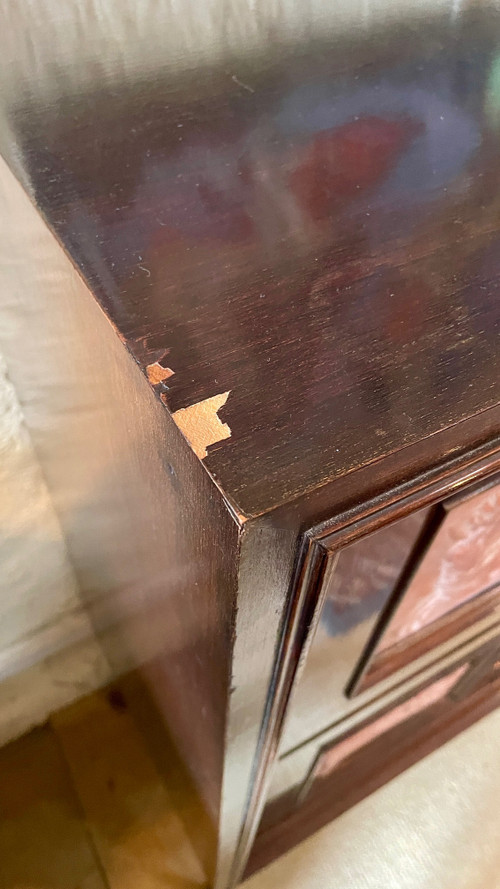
(324, 247)
(43, 839)
(134, 825)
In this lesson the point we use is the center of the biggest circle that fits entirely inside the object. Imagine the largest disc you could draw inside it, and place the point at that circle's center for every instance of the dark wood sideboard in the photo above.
(266, 302)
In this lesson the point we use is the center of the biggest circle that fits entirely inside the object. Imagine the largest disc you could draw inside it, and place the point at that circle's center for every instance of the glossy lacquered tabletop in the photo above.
(311, 225)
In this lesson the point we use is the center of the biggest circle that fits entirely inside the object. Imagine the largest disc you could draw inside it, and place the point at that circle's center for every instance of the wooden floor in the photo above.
(83, 806)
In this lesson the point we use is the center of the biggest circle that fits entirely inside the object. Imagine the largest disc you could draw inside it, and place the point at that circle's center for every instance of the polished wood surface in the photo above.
(366, 574)
(366, 767)
(296, 245)
(43, 839)
(311, 692)
(340, 662)
(355, 595)
(314, 234)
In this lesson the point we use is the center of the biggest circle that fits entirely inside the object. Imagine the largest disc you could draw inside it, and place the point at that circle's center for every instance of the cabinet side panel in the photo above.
(151, 538)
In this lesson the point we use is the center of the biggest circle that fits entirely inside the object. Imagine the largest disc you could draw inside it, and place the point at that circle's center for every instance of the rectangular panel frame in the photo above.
(320, 545)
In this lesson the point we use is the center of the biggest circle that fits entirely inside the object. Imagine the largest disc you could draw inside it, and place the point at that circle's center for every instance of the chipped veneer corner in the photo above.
(158, 374)
(201, 425)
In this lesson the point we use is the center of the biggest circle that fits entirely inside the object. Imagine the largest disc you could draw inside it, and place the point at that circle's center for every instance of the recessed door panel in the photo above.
(451, 583)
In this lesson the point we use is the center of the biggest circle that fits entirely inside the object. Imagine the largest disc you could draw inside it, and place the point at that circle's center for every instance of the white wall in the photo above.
(48, 655)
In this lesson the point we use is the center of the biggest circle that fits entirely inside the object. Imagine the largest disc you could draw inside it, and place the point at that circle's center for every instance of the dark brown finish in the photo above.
(321, 550)
(351, 528)
(386, 757)
(326, 544)
(266, 243)
(297, 248)
(366, 574)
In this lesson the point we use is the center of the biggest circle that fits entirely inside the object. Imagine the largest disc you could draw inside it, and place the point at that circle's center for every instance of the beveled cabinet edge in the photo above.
(425, 489)
(319, 543)
(296, 624)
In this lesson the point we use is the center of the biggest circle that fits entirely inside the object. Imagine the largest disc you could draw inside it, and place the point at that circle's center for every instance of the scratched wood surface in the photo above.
(316, 236)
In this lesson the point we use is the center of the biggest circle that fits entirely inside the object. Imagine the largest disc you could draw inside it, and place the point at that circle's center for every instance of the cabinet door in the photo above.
(393, 597)
(359, 584)
(449, 583)
(405, 653)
